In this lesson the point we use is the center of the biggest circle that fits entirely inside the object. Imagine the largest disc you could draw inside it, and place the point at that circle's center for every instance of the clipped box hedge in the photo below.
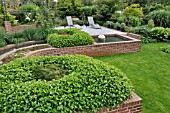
(69, 37)
(88, 86)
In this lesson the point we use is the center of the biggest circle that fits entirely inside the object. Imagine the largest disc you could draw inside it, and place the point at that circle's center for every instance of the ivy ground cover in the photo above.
(61, 84)
(149, 71)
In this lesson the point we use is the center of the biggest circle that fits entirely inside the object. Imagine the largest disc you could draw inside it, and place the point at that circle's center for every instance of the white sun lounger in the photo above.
(92, 24)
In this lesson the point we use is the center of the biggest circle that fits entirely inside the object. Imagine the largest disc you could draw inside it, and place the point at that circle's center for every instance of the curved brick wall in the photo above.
(92, 50)
(133, 105)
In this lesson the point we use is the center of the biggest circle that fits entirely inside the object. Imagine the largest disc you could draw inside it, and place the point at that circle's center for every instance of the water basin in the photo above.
(108, 39)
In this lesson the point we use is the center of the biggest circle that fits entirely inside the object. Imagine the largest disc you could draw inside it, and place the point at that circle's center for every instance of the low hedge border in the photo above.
(89, 86)
(69, 37)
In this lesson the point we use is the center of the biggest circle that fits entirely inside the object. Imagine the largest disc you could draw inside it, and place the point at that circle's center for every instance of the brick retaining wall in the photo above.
(10, 29)
(133, 105)
(136, 36)
(92, 50)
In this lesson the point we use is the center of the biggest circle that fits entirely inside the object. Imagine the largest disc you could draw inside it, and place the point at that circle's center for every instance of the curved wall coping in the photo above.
(15, 50)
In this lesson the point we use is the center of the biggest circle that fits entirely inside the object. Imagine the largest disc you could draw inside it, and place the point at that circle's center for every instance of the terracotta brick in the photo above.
(113, 111)
(137, 106)
(122, 109)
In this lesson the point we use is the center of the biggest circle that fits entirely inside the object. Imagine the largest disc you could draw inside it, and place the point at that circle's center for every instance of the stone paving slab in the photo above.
(93, 32)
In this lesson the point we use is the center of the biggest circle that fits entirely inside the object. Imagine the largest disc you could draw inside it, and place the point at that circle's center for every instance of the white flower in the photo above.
(27, 18)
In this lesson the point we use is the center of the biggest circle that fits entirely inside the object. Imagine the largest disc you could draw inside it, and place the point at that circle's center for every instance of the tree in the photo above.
(105, 8)
(133, 10)
(69, 7)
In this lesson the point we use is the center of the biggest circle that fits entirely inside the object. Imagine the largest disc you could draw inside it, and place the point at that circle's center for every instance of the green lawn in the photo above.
(149, 71)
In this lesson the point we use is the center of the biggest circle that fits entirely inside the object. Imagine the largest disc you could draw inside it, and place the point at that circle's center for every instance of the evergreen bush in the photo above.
(89, 85)
(69, 37)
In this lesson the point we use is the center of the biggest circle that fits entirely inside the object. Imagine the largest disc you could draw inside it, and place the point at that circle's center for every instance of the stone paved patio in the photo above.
(93, 31)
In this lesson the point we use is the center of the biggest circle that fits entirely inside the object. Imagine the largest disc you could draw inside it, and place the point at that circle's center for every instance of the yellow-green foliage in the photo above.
(133, 10)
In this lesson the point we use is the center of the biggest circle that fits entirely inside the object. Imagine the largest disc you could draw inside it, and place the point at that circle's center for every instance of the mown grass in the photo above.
(149, 72)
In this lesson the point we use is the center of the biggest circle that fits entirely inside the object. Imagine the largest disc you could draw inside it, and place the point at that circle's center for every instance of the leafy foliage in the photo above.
(15, 38)
(151, 24)
(28, 11)
(105, 8)
(121, 19)
(28, 34)
(69, 37)
(89, 86)
(89, 10)
(135, 21)
(145, 33)
(2, 40)
(133, 10)
(69, 7)
(47, 71)
(165, 49)
(148, 9)
(160, 17)
(160, 33)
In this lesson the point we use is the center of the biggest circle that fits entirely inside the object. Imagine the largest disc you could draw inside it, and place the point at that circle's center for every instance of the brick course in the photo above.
(9, 28)
(92, 50)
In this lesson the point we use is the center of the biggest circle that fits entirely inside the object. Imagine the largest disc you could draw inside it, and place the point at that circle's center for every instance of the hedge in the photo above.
(69, 37)
(89, 85)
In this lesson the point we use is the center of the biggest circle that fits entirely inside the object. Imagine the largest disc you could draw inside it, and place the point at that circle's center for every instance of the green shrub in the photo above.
(34, 34)
(11, 18)
(1, 8)
(135, 21)
(121, 19)
(47, 71)
(80, 22)
(15, 38)
(145, 34)
(160, 33)
(142, 30)
(88, 86)
(133, 10)
(69, 37)
(109, 24)
(29, 33)
(151, 24)
(2, 40)
(69, 7)
(114, 17)
(160, 17)
(165, 49)
(1, 19)
(89, 10)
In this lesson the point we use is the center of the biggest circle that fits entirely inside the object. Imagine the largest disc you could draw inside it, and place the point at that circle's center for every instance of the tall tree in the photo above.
(105, 8)
(69, 7)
